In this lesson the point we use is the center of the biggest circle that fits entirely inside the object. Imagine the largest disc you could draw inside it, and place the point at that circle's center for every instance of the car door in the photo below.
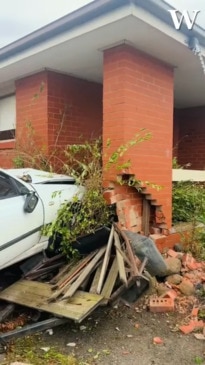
(19, 230)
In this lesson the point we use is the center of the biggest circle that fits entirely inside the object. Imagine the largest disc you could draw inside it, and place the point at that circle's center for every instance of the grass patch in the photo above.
(29, 350)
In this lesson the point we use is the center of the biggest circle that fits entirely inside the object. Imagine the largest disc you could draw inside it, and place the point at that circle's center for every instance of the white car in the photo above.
(29, 199)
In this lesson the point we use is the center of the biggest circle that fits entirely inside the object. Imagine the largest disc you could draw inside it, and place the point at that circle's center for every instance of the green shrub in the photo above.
(84, 163)
(188, 201)
(189, 206)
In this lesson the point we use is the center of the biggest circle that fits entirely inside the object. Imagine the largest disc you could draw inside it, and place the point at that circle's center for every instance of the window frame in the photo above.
(8, 135)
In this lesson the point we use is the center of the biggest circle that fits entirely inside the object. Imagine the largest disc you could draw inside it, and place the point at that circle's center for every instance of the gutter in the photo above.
(81, 16)
(159, 8)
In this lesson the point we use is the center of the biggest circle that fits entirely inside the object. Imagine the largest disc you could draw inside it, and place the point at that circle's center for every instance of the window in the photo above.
(7, 190)
(7, 118)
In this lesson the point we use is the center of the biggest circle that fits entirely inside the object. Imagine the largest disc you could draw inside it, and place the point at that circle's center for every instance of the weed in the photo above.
(81, 217)
(30, 350)
(198, 360)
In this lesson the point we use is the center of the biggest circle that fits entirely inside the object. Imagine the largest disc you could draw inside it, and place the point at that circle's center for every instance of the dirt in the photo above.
(124, 336)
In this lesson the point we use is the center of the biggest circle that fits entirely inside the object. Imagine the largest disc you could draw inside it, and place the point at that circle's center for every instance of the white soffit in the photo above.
(79, 52)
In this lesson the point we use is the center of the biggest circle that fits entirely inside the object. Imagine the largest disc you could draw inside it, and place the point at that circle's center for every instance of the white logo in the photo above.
(184, 16)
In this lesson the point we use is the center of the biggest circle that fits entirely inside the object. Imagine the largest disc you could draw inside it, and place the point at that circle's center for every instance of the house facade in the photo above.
(111, 68)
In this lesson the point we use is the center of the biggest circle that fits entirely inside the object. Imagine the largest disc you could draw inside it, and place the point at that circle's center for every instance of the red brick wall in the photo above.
(58, 108)
(138, 93)
(128, 205)
(6, 157)
(74, 109)
(191, 137)
(31, 109)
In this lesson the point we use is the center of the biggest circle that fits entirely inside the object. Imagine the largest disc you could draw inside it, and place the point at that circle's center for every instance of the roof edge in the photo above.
(91, 11)
(78, 17)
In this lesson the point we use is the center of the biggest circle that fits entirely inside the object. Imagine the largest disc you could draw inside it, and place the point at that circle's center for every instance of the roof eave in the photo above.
(80, 16)
(92, 11)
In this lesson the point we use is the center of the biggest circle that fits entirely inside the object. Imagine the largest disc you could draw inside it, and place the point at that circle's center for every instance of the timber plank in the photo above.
(62, 272)
(106, 260)
(110, 282)
(58, 292)
(120, 260)
(93, 287)
(74, 270)
(135, 271)
(74, 287)
(35, 295)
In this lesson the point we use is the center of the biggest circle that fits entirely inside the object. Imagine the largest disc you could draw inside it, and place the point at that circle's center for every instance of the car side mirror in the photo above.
(31, 202)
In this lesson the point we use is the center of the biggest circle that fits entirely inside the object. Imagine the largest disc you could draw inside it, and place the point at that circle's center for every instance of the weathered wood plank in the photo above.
(123, 255)
(106, 260)
(130, 253)
(57, 293)
(120, 260)
(93, 287)
(62, 272)
(110, 282)
(87, 279)
(35, 295)
(77, 268)
(88, 269)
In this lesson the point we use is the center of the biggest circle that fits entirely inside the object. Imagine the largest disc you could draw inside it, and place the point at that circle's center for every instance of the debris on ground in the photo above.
(77, 287)
(128, 263)
(158, 341)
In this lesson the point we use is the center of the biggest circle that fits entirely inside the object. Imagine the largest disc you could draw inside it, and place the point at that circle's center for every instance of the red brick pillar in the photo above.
(138, 93)
(32, 111)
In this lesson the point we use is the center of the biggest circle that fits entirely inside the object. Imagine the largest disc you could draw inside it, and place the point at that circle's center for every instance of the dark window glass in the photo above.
(6, 135)
(7, 190)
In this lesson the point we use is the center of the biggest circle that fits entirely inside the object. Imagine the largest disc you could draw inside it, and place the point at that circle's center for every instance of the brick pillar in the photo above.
(138, 93)
(31, 110)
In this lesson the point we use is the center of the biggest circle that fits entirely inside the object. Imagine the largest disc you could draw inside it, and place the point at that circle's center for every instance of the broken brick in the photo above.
(190, 262)
(191, 326)
(173, 253)
(165, 231)
(155, 230)
(110, 196)
(195, 312)
(158, 340)
(170, 294)
(187, 328)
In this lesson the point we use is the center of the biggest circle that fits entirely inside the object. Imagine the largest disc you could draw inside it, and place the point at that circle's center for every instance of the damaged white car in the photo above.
(29, 199)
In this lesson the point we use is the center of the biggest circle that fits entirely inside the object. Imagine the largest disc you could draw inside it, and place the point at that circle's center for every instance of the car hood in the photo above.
(35, 176)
